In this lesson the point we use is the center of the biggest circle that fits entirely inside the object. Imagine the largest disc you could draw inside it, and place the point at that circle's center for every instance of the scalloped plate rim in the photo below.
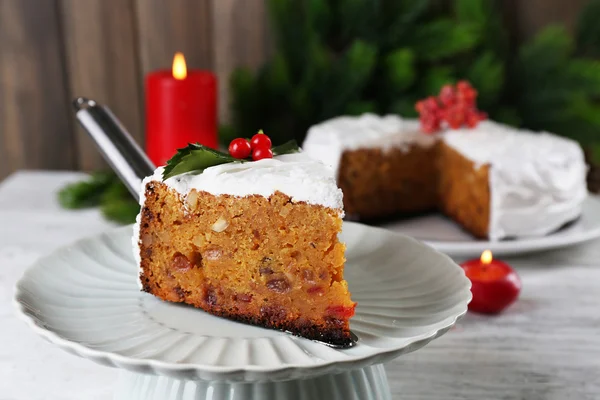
(161, 367)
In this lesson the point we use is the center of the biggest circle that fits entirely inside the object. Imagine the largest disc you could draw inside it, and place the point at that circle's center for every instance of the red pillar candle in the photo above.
(181, 108)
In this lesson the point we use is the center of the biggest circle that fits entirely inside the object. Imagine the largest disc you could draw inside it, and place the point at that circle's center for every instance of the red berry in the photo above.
(495, 286)
(461, 86)
(431, 104)
(467, 97)
(430, 124)
(260, 140)
(456, 105)
(441, 114)
(447, 95)
(455, 116)
(259, 153)
(239, 148)
(472, 118)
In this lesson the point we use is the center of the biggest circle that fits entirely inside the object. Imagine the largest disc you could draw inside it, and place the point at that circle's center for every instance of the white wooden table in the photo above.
(546, 347)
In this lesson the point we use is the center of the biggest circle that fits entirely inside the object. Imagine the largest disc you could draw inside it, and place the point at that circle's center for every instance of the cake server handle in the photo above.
(117, 146)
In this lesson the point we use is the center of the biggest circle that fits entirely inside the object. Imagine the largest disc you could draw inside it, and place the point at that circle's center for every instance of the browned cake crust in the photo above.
(464, 191)
(378, 183)
(268, 262)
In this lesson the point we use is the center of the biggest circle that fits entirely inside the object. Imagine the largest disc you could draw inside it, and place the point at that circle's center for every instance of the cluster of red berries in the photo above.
(259, 146)
(456, 106)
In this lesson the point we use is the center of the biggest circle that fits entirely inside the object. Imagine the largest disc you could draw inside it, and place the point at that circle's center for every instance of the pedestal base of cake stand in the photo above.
(369, 383)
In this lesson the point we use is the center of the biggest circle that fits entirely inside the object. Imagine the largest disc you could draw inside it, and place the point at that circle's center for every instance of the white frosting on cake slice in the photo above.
(328, 140)
(537, 180)
(296, 175)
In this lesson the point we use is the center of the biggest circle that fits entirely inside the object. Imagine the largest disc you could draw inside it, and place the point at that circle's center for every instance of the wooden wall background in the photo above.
(54, 50)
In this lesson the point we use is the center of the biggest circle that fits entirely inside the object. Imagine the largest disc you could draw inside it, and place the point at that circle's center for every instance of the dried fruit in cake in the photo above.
(256, 247)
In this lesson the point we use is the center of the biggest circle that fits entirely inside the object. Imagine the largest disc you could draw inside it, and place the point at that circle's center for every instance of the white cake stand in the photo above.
(85, 299)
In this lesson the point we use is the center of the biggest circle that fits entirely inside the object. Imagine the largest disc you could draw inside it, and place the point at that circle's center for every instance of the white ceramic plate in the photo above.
(85, 299)
(446, 236)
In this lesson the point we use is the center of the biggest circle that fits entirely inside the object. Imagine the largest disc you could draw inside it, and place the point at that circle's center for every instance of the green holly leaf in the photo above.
(286, 148)
(195, 157)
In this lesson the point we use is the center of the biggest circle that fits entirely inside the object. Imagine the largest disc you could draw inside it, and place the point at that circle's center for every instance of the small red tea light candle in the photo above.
(495, 285)
(181, 108)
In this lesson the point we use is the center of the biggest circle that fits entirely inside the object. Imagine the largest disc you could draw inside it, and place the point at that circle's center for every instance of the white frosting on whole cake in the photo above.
(328, 140)
(537, 180)
(296, 175)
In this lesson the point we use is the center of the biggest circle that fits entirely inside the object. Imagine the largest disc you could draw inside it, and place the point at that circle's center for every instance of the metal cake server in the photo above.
(118, 148)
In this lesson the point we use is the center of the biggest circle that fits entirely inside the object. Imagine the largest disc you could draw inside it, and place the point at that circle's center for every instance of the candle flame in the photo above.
(179, 67)
(486, 257)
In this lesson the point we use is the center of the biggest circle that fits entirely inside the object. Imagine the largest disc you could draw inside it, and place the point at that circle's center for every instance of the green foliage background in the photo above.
(336, 57)
(102, 189)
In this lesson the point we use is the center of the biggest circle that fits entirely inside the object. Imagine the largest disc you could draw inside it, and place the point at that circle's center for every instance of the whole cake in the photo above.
(495, 181)
(254, 241)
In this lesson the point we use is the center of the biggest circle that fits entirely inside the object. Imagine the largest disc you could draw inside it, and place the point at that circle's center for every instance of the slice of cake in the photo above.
(384, 165)
(495, 181)
(255, 242)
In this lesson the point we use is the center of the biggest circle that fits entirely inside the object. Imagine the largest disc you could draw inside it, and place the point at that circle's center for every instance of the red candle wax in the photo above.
(181, 108)
(495, 285)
